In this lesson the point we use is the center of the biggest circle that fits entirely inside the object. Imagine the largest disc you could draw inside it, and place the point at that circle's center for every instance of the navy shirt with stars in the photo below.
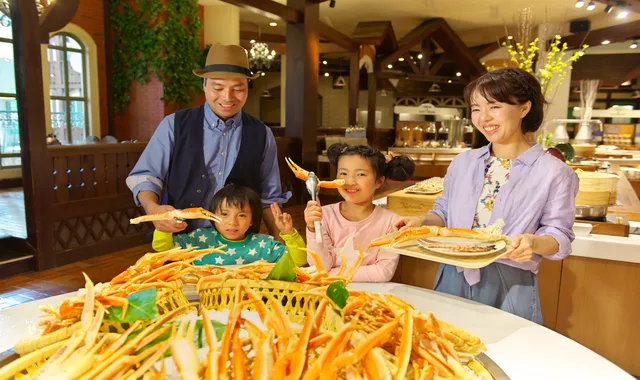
(253, 248)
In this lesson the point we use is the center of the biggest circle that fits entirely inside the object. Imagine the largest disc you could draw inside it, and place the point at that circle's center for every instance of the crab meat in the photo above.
(179, 215)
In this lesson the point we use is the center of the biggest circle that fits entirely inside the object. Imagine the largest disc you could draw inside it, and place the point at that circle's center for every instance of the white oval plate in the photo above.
(498, 247)
(455, 240)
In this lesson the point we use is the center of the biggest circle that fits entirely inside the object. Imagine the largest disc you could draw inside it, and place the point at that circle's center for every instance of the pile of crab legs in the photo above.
(383, 337)
(153, 270)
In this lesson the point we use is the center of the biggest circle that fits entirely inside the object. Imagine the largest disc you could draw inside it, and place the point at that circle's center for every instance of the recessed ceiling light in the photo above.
(324, 62)
(273, 24)
(252, 41)
(579, 4)
(509, 37)
(623, 13)
(627, 83)
(449, 81)
(458, 74)
(606, 42)
(591, 6)
(419, 56)
(401, 59)
(634, 44)
(262, 73)
(326, 74)
(52, 75)
(390, 66)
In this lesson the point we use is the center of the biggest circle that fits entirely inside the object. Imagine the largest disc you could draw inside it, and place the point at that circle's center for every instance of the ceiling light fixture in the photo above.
(252, 41)
(623, 13)
(273, 24)
(434, 88)
(579, 4)
(419, 56)
(339, 82)
(324, 62)
(401, 59)
(606, 42)
(509, 37)
(634, 44)
(591, 6)
(449, 81)
(390, 66)
(458, 74)
(326, 74)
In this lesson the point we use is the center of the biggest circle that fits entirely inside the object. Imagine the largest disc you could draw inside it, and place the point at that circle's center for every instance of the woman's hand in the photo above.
(524, 247)
(406, 222)
(284, 222)
(313, 213)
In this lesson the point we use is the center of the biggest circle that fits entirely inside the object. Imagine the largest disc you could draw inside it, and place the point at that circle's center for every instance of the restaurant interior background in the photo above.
(106, 84)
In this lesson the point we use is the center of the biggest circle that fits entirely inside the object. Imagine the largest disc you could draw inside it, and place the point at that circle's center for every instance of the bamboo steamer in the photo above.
(596, 189)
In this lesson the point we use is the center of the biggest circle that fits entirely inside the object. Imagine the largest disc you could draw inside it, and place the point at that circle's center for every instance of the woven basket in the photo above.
(167, 299)
(29, 363)
(296, 300)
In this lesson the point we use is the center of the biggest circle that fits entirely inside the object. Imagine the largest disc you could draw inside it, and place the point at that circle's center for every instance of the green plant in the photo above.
(554, 62)
(156, 37)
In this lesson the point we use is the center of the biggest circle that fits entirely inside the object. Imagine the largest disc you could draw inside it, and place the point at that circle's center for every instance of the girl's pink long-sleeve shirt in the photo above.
(377, 266)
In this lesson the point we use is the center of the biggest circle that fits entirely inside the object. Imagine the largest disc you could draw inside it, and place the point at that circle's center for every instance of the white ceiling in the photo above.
(476, 21)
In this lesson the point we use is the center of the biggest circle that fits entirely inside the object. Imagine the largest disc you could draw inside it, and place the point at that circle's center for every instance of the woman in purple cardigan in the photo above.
(511, 179)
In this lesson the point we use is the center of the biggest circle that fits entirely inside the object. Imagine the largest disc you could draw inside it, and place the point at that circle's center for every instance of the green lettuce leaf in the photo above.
(338, 293)
(283, 270)
(142, 305)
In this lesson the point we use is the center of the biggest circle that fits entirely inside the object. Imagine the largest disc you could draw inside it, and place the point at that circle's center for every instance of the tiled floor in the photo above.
(12, 217)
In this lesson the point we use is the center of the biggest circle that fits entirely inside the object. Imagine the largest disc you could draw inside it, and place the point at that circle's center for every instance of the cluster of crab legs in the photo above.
(382, 338)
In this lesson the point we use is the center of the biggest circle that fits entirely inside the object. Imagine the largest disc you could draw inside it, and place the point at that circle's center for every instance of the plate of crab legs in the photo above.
(462, 247)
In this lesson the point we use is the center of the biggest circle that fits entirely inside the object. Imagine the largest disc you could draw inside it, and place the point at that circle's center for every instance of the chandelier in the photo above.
(5, 16)
(260, 58)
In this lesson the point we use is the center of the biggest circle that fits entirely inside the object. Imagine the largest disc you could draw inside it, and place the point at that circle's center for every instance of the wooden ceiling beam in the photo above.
(336, 37)
(616, 33)
(633, 4)
(413, 66)
(450, 42)
(633, 74)
(413, 38)
(419, 77)
(440, 61)
(270, 9)
(264, 37)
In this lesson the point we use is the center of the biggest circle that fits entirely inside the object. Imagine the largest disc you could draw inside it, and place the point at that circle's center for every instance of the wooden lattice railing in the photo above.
(92, 204)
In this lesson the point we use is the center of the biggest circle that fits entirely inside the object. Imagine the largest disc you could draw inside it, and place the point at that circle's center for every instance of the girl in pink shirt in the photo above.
(357, 220)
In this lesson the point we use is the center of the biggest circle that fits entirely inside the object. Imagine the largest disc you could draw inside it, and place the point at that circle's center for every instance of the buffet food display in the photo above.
(166, 318)
(432, 185)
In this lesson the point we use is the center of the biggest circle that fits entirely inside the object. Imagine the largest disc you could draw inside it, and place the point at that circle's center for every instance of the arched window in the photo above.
(9, 127)
(67, 58)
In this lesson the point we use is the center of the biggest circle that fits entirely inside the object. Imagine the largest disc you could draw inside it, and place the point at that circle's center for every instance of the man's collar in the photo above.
(212, 119)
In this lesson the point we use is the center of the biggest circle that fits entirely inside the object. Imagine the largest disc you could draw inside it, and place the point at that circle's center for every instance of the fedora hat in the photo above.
(226, 61)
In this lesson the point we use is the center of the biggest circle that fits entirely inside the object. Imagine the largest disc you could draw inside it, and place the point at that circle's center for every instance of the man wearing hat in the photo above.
(195, 152)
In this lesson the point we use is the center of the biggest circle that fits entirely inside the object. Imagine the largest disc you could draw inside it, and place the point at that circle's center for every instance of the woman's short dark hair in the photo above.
(511, 86)
(238, 196)
(399, 168)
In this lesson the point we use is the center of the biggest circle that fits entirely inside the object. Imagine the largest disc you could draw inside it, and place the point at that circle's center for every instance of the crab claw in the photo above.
(331, 184)
(299, 172)
(412, 233)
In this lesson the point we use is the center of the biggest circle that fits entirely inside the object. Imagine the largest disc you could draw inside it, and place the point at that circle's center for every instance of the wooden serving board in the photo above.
(473, 262)
(412, 249)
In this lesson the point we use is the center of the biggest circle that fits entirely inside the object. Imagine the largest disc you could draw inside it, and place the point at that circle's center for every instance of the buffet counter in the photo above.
(521, 349)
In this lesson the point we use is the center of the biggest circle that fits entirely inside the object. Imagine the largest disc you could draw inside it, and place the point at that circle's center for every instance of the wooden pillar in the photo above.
(426, 56)
(354, 83)
(302, 81)
(36, 164)
(371, 107)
